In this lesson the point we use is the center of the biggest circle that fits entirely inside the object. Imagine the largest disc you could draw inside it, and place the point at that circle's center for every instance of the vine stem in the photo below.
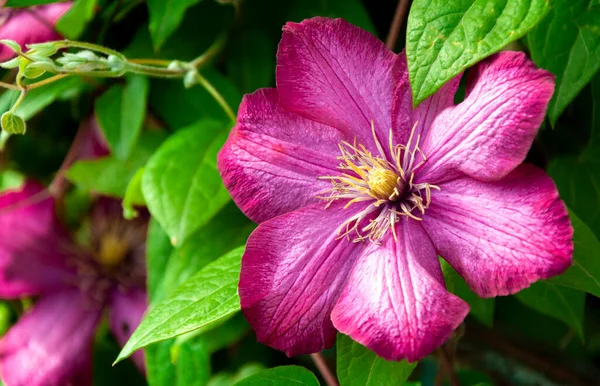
(392, 37)
(19, 100)
(328, 376)
(45, 81)
(215, 94)
(155, 62)
(59, 184)
(214, 49)
(10, 86)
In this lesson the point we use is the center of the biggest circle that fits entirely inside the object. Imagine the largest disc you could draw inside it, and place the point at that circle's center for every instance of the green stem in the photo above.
(153, 70)
(9, 86)
(218, 97)
(19, 100)
(45, 81)
(213, 50)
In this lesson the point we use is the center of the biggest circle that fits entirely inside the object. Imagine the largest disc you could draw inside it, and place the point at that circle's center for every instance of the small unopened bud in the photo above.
(12, 123)
(83, 61)
(10, 64)
(36, 69)
(16, 47)
(115, 63)
(175, 65)
(42, 49)
(190, 79)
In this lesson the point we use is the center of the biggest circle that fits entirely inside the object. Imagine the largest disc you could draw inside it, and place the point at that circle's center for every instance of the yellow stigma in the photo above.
(383, 183)
(113, 250)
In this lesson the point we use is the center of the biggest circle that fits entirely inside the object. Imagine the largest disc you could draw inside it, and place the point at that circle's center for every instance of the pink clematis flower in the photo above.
(29, 25)
(51, 343)
(356, 194)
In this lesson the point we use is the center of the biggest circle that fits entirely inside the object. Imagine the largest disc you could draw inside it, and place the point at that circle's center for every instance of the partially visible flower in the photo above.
(356, 194)
(29, 25)
(51, 344)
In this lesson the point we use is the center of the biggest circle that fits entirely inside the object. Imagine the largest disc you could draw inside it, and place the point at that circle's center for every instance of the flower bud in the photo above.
(36, 69)
(16, 47)
(83, 61)
(10, 64)
(12, 123)
(42, 49)
(175, 65)
(190, 79)
(115, 63)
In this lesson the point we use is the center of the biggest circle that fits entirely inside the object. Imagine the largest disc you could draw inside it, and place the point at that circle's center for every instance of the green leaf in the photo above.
(179, 107)
(357, 365)
(229, 228)
(352, 11)
(28, 3)
(251, 64)
(37, 99)
(168, 269)
(567, 43)
(74, 21)
(227, 334)
(181, 184)
(5, 318)
(121, 111)
(158, 250)
(165, 17)
(561, 303)
(193, 363)
(444, 37)
(228, 379)
(160, 370)
(595, 127)
(278, 376)
(133, 195)
(206, 22)
(187, 364)
(584, 275)
(110, 175)
(578, 181)
(206, 299)
(10, 179)
(12, 123)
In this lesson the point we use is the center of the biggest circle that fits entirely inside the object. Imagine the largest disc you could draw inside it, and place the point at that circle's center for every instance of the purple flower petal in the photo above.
(404, 117)
(338, 74)
(51, 345)
(126, 312)
(395, 301)
(33, 25)
(272, 158)
(491, 131)
(293, 269)
(501, 236)
(34, 248)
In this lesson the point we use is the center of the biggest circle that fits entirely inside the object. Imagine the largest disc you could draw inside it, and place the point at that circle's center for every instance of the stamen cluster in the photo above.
(387, 184)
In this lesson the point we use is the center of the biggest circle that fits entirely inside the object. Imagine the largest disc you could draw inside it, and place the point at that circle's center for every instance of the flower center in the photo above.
(112, 250)
(384, 183)
(387, 184)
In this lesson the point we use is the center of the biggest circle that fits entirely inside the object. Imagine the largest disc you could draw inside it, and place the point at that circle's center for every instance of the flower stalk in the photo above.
(93, 60)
